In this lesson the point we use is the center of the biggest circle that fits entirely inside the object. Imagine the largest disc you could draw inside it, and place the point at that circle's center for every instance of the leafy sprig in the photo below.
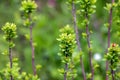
(113, 57)
(67, 41)
(28, 7)
(9, 30)
(67, 46)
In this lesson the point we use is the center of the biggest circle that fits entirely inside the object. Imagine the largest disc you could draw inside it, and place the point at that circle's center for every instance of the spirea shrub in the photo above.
(28, 7)
(9, 30)
(66, 46)
(69, 42)
(113, 56)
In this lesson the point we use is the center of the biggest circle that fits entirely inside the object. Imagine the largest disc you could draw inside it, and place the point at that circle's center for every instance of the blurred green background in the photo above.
(51, 16)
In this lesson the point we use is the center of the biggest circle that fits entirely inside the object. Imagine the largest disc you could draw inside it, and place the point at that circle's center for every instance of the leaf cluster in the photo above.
(28, 6)
(71, 72)
(87, 6)
(117, 13)
(113, 56)
(9, 30)
(67, 41)
(15, 72)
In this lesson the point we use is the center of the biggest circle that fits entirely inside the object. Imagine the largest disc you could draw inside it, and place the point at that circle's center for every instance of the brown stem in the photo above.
(10, 59)
(77, 38)
(66, 68)
(32, 47)
(89, 46)
(33, 54)
(112, 71)
(109, 29)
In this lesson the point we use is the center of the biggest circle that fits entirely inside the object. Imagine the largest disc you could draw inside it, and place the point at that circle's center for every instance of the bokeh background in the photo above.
(51, 16)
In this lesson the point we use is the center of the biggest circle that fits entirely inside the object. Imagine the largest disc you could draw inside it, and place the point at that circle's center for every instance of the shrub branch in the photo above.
(109, 35)
(89, 46)
(77, 38)
(10, 58)
(33, 54)
(66, 68)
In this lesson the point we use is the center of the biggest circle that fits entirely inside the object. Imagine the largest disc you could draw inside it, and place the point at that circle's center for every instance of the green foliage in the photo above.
(45, 27)
(87, 6)
(67, 41)
(6, 72)
(108, 6)
(85, 9)
(71, 72)
(28, 6)
(84, 35)
(38, 67)
(9, 30)
(67, 46)
(113, 56)
(116, 18)
(89, 76)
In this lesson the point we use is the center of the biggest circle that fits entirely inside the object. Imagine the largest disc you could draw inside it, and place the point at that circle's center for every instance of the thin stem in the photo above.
(112, 71)
(77, 38)
(33, 54)
(32, 47)
(89, 46)
(66, 68)
(10, 58)
(109, 36)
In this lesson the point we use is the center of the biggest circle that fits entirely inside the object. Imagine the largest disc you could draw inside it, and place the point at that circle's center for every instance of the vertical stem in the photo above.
(109, 29)
(77, 38)
(112, 71)
(33, 54)
(10, 58)
(32, 47)
(89, 46)
(66, 68)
